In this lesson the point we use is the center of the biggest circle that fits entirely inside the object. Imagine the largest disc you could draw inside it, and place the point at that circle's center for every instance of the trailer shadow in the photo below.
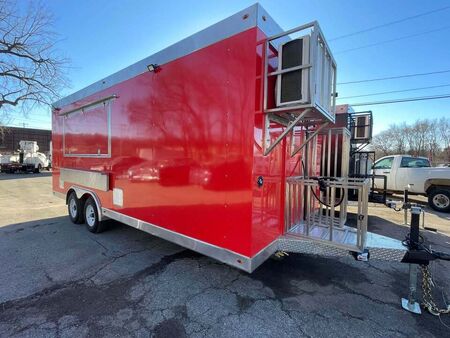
(125, 274)
(17, 176)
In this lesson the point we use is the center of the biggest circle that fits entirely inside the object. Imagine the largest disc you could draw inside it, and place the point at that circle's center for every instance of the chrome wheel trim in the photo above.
(441, 201)
(90, 215)
(73, 208)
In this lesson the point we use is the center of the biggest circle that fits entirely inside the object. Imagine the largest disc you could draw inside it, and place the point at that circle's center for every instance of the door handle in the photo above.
(386, 172)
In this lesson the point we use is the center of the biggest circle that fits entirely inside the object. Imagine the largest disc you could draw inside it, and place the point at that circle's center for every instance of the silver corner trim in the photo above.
(224, 255)
(266, 23)
(90, 179)
(263, 255)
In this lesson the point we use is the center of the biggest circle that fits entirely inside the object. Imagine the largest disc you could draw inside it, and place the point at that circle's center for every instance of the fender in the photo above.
(80, 192)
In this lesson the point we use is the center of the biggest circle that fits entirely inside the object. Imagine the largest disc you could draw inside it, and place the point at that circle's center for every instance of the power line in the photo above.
(390, 23)
(391, 40)
(423, 98)
(26, 119)
(394, 77)
(393, 91)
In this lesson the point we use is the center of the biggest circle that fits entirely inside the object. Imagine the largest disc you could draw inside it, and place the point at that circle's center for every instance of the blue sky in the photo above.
(103, 36)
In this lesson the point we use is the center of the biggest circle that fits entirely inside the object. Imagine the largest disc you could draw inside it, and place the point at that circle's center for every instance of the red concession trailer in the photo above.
(217, 143)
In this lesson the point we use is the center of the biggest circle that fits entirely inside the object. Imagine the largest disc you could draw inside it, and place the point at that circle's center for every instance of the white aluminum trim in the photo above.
(224, 255)
(263, 255)
(224, 29)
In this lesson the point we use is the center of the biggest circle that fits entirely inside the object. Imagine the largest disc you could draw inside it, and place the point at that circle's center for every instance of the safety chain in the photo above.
(427, 297)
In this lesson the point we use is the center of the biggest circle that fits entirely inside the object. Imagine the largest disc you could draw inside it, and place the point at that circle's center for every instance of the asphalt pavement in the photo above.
(59, 280)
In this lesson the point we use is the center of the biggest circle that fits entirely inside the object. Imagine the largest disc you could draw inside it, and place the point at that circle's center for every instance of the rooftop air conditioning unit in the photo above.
(362, 127)
(292, 85)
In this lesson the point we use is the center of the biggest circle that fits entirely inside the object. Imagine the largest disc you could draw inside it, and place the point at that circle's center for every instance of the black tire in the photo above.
(439, 199)
(91, 216)
(38, 169)
(75, 209)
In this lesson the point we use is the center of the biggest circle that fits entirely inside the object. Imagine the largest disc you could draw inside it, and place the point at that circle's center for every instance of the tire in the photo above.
(75, 208)
(439, 199)
(38, 169)
(91, 216)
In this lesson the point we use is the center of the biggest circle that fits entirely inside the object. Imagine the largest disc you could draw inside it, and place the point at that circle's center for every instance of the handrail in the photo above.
(316, 208)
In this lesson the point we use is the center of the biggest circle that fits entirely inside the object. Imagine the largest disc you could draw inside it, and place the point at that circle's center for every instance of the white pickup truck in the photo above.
(417, 174)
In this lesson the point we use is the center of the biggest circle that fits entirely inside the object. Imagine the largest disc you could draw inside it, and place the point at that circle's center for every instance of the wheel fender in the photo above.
(80, 192)
(436, 183)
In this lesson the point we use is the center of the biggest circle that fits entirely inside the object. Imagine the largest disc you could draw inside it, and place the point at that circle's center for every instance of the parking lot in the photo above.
(58, 279)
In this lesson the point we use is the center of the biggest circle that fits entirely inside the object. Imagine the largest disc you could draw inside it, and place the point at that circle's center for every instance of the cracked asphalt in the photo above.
(59, 280)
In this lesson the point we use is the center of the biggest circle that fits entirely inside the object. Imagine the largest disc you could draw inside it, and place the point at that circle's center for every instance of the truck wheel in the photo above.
(91, 216)
(38, 169)
(439, 200)
(75, 208)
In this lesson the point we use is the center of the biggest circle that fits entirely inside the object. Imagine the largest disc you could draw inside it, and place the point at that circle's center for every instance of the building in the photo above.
(11, 136)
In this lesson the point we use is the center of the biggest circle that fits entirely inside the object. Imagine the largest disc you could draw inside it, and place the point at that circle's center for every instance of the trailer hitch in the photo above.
(420, 254)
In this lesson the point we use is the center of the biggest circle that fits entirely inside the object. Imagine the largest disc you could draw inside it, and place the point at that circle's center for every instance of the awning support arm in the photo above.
(285, 132)
(310, 137)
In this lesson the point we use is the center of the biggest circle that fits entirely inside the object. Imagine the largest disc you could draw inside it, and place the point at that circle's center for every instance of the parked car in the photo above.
(417, 174)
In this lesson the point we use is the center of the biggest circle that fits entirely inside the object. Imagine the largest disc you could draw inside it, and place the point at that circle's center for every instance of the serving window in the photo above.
(87, 132)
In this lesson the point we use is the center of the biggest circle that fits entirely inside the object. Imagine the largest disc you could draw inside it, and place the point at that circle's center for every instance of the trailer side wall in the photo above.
(181, 144)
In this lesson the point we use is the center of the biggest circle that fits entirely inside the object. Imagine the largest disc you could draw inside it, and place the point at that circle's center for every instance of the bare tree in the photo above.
(398, 138)
(382, 142)
(444, 135)
(430, 138)
(31, 68)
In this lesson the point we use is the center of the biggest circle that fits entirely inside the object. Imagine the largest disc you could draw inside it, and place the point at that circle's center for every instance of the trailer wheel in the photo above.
(75, 208)
(91, 216)
(439, 199)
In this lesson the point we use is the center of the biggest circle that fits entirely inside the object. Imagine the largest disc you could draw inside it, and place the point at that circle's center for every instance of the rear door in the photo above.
(383, 167)
(408, 171)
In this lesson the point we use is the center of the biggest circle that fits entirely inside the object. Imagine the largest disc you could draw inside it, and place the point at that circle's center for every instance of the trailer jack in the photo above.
(420, 254)
(410, 304)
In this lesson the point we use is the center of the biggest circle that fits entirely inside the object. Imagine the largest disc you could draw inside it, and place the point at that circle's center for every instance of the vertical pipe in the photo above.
(329, 154)
(265, 80)
(342, 206)
(288, 208)
(295, 202)
(314, 155)
(359, 225)
(324, 144)
(336, 138)
(305, 157)
(332, 203)
(308, 215)
(405, 206)
(320, 208)
(364, 208)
